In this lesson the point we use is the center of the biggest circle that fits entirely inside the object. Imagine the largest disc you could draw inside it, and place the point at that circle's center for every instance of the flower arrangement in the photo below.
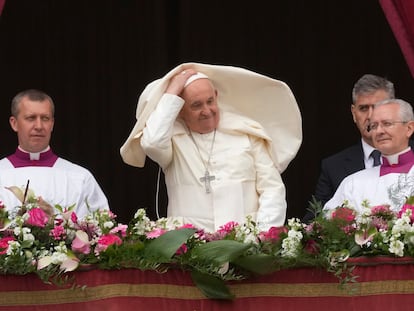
(33, 239)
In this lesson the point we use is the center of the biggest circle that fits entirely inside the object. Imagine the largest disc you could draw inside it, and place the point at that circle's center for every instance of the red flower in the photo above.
(107, 240)
(344, 213)
(74, 217)
(4, 244)
(312, 247)
(273, 234)
(37, 217)
(227, 228)
(182, 250)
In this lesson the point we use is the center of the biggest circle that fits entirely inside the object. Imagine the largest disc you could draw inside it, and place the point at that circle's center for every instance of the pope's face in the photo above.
(33, 124)
(200, 111)
(362, 110)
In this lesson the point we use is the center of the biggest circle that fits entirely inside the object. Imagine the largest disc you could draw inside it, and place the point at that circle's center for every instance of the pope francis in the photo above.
(222, 136)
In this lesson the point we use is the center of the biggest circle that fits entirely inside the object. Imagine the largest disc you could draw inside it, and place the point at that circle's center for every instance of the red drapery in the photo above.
(400, 16)
(2, 2)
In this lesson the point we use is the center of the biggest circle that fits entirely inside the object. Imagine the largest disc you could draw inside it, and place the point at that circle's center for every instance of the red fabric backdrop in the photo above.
(2, 2)
(400, 16)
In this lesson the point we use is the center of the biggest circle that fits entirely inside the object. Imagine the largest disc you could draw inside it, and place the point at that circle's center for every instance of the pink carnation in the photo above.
(37, 217)
(4, 244)
(228, 227)
(379, 223)
(155, 233)
(344, 213)
(58, 232)
(187, 226)
(273, 234)
(107, 240)
(121, 229)
(380, 209)
(406, 207)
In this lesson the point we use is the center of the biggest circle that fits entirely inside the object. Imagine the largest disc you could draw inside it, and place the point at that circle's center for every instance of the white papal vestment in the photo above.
(246, 179)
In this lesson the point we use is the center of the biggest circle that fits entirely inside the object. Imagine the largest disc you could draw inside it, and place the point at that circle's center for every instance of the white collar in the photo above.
(393, 158)
(34, 155)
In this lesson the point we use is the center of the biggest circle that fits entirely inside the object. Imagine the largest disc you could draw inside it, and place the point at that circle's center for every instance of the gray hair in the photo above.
(33, 95)
(369, 84)
(405, 111)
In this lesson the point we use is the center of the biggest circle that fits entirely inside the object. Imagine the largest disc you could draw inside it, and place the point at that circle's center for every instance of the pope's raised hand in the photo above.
(177, 82)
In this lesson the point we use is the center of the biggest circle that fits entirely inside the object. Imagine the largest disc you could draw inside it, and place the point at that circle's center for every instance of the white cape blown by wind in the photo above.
(265, 100)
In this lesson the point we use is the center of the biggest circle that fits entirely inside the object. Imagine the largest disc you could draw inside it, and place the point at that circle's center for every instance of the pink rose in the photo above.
(4, 244)
(37, 217)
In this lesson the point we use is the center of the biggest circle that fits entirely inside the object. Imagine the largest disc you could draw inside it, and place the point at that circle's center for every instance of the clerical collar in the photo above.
(397, 163)
(22, 158)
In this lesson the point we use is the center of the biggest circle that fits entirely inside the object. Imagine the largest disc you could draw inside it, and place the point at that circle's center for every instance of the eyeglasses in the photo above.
(386, 124)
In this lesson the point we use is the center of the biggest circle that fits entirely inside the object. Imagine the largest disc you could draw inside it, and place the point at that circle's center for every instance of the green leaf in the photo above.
(410, 200)
(212, 287)
(258, 263)
(220, 251)
(166, 245)
(26, 243)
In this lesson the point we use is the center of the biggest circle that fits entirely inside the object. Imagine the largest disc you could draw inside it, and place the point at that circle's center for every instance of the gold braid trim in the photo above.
(59, 296)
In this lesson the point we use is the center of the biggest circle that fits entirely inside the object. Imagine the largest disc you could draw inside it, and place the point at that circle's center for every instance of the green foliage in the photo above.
(52, 247)
(164, 247)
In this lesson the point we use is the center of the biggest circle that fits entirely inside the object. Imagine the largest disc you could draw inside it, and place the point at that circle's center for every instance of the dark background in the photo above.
(95, 57)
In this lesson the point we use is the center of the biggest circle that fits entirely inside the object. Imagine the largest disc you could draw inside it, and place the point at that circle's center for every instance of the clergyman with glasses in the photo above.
(391, 126)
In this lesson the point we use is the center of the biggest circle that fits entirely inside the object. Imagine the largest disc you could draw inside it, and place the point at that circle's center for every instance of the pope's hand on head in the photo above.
(177, 82)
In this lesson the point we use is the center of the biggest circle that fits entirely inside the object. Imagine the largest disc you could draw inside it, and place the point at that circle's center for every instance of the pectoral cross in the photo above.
(206, 180)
